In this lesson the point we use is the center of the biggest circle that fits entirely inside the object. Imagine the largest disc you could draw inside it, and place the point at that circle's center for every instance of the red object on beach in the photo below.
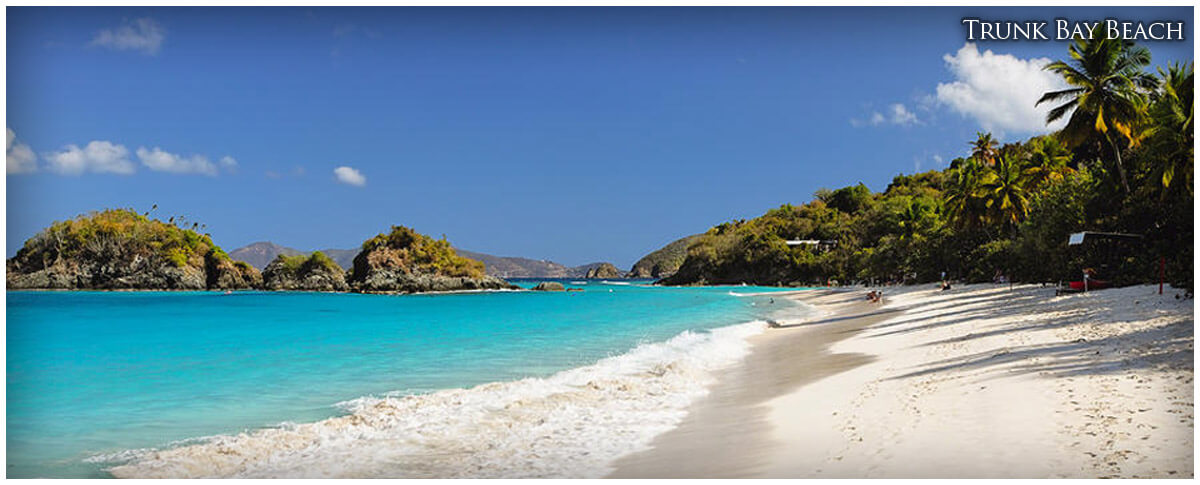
(1162, 273)
(1091, 285)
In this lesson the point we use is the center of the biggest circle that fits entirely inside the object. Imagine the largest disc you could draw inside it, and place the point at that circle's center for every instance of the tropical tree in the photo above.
(1170, 139)
(984, 148)
(1004, 194)
(919, 215)
(1047, 160)
(962, 201)
(1105, 98)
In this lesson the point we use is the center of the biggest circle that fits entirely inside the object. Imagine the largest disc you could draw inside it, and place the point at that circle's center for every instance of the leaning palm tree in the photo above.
(1173, 133)
(1003, 191)
(1105, 97)
(984, 148)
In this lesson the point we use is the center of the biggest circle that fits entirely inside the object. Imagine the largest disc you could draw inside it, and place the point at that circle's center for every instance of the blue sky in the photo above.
(570, 134)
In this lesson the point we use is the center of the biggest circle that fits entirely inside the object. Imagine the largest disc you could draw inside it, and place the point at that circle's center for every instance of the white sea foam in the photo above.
(573, 424)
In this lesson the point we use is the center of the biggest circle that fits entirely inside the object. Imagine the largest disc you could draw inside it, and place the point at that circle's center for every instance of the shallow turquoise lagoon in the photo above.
(100, 373)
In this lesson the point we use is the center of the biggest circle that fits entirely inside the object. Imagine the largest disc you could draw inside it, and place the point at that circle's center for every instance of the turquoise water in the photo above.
(95, 373)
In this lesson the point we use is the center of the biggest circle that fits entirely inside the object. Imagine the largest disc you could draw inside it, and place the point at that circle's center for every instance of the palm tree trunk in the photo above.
(1120, 166)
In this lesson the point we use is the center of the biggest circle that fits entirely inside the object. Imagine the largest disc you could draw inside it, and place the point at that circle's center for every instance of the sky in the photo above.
(568, 134)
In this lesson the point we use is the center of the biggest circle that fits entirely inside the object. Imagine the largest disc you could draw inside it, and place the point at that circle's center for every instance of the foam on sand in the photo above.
(573, 424)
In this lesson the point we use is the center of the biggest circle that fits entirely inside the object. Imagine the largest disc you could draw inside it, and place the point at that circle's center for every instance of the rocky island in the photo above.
(121, 249)
(604, 271)
(316, 272)
(405, 261)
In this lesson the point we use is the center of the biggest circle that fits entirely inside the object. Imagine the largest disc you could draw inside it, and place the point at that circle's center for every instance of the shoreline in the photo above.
(726, 432)
(981, 381)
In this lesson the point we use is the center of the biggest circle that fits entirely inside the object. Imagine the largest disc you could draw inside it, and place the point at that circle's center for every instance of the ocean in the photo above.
(277, 384)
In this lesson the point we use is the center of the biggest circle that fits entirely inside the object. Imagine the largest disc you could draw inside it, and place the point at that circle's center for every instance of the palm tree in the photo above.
(963, 204)
(1171, 138)
(1003, 191)
(1046, 162)
(1105, 98)
(916, 217)
(984, 148)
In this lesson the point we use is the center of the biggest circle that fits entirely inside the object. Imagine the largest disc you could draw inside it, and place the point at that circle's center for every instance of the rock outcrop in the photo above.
(604, 270)
(121, 249)
(549, 286)
(665, 261)
(405, 261)
(225, 274)
(316, 272)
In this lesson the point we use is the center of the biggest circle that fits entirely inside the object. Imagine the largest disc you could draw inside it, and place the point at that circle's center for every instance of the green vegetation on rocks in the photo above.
(404, 260)
(122, 249)
(316, 272)
(665, 261)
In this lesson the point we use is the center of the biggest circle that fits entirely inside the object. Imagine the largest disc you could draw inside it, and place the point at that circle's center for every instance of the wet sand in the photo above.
(727, 433)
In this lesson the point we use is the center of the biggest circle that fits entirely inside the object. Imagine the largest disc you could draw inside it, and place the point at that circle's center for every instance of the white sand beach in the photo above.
(980, 381)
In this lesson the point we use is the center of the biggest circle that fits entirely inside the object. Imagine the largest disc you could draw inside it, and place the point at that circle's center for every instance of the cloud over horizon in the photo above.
(19, 156)
(349, 176)
(999, 90)
(142, 34)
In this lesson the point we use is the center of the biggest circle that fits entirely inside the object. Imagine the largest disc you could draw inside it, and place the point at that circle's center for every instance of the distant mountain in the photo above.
(512, 267)
(260, 254)
(343, 257)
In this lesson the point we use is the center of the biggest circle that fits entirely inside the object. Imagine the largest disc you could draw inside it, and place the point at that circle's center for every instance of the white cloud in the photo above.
(999, 90)
(97, 156)
(163, 161)
(20, 158)
(142, 34)
(350, 176)
(897, 114)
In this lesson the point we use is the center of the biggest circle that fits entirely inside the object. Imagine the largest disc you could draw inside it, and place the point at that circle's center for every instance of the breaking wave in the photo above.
(573, 424)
